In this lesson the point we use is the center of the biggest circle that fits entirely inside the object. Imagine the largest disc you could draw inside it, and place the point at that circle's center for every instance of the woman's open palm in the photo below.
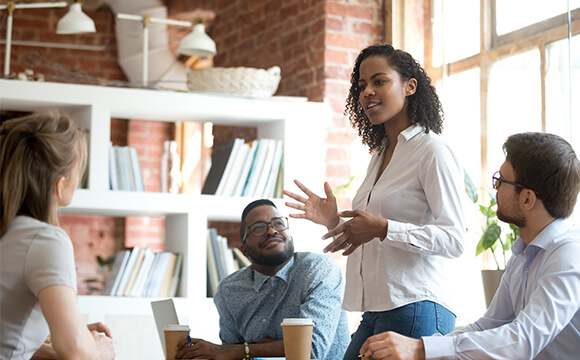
(319, 210)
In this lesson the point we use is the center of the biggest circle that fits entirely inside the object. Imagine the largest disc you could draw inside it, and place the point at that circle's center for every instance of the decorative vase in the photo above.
(491, 280)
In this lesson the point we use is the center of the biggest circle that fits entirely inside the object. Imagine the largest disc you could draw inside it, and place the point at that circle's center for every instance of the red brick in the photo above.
(337, 154)
(366, 28)
(335, 24)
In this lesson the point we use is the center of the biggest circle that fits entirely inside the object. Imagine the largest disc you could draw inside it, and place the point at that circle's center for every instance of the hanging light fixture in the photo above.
(76, 24)
(199, 43)
(75, 21)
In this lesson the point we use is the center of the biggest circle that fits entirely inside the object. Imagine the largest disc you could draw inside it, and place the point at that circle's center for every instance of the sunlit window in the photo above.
(514, 101)
(513, 15)
(461, 98)
(458, 20)
(563, 76)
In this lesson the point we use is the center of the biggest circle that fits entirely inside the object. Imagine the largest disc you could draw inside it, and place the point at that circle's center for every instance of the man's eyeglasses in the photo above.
(497, 180)
(260, 228)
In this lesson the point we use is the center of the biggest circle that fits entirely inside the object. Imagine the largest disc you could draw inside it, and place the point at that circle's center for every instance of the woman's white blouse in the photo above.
(419, 193)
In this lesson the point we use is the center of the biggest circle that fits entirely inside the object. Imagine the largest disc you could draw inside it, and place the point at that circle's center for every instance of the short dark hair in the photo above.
(251, 206)
(424, 105)
(546, 164)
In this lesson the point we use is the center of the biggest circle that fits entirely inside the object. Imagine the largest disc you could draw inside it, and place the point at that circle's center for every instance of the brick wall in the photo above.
(42, 54)
(314, 42)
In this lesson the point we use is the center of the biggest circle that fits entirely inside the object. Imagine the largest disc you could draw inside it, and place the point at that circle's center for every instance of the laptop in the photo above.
(164, 314)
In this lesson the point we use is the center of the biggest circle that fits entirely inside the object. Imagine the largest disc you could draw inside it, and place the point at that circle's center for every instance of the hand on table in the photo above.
(105, 347)
(393, 346)
(101, 328)
(361, 228)
(201, 349)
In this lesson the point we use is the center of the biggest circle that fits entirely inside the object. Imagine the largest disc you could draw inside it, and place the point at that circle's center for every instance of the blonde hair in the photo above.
(35, 152)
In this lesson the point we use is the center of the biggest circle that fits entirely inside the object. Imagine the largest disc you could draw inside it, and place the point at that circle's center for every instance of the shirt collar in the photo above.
(410, 132)
(260, 279)
(546, 236)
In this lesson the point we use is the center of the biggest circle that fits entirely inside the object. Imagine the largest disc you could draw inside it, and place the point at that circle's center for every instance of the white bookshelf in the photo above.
(301, 124)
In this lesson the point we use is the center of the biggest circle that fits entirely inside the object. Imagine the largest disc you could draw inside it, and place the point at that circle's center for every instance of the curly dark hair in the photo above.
(424, 106)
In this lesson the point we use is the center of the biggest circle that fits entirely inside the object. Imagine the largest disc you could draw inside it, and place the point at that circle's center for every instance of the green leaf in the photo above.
(470, 188)
(491, 235)
(479, 248)
(101, 261)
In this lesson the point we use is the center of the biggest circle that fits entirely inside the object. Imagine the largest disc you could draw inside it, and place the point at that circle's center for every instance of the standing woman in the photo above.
(407, 215)
(41, 157)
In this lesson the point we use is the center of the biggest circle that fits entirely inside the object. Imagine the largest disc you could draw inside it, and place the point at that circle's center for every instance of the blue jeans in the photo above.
(418, 319)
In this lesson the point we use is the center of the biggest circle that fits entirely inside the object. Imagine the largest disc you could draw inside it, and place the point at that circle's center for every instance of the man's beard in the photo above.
(276, 259)
(518, 219)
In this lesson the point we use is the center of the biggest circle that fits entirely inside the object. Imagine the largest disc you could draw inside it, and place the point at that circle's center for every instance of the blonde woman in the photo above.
(41, 158)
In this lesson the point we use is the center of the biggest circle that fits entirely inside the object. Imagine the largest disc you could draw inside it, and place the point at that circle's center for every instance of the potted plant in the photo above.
(496, 236)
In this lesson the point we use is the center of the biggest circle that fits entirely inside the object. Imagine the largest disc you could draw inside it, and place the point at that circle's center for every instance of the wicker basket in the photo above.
(240, 81)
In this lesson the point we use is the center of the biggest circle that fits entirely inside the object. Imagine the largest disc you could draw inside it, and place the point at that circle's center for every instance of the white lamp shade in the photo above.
(197, 43)
(75, 22)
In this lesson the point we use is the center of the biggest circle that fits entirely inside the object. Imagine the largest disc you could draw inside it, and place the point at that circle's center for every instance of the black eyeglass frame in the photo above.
(268, 224)
(497, 180)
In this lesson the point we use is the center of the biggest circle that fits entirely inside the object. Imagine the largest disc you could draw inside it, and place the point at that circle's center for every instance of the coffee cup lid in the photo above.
(175, 327)
(297, 321)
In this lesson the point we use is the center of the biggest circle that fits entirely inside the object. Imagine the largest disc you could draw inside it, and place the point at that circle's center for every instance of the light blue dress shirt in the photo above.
(535, 312)
(252, 305)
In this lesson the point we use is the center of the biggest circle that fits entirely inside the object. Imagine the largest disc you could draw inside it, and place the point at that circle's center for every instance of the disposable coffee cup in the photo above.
(297, 335)
(174, 334)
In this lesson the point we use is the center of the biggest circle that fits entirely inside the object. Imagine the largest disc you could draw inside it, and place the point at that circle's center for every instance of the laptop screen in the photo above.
(164, 314)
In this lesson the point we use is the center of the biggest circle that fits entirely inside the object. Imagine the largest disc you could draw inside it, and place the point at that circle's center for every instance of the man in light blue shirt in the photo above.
(279, 284)
(535, 313)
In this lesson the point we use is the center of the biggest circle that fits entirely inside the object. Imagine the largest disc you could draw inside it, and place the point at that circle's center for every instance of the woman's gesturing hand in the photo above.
(361, 228)
(316, 209)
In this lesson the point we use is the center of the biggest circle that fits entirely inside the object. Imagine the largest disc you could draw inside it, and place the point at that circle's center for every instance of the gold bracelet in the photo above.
(247, 348)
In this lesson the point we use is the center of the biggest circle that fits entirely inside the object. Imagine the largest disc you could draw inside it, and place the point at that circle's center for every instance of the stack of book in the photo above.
(221, 260)
(124, 170)
(246, 169)
(140, 272)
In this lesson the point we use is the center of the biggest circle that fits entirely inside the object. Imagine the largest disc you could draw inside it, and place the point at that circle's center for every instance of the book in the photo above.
(265, 171)
(176, 275)
(235, 173)
(150, 276)
(229, 165)
(242, 259)
(116, 272)
(219, 160)
(127, 271)
(166, 282)
(256, 168)
(129, 164)
(159, 273)
(84, 181)
(137, 176)
(273, 175)
(279, 187)
(241, 183)
(123, 177)
(221, 269)
(134, 272)
(143, 272)
(113, 183)
(213, 278)
(227, 256)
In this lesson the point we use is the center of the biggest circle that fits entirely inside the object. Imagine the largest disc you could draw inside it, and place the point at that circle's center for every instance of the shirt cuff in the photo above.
(439, 347)
(396, 231)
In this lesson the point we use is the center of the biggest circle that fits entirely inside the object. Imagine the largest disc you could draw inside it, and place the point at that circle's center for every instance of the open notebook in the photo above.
(164, 314)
